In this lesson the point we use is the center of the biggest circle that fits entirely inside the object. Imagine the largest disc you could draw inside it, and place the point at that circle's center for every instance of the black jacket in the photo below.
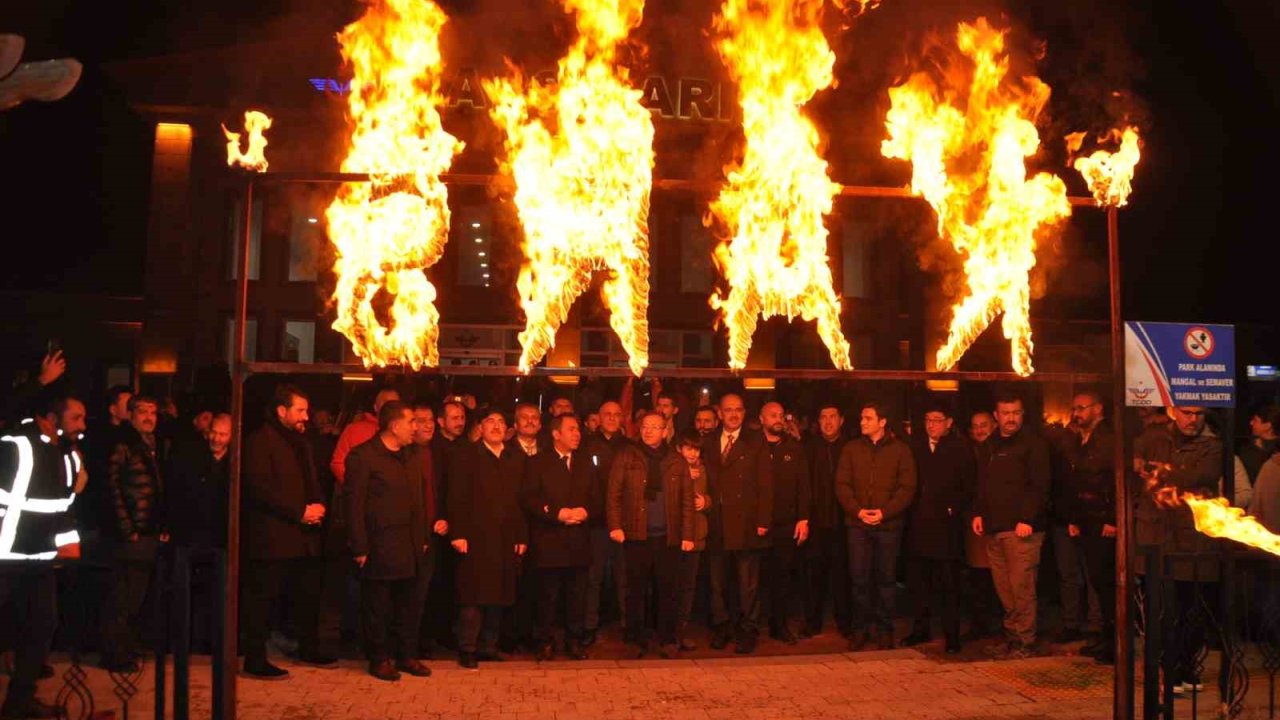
(197, 497)
(601, 452)
(549, 487)
(741, 486)
(48, 472)
(792, 491)
(484, 509)
(385, 504)
(279, 482)
(1090, 497)
(824, 458)
(1013, 484)
(135, 485)
(945, 479)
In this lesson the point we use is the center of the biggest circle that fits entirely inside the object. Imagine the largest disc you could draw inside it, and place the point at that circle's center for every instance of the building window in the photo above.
(250, 341)
(473, 237)
(853, 253)
(235, 237)
(306, 238)
(299, 343)
(697, 270)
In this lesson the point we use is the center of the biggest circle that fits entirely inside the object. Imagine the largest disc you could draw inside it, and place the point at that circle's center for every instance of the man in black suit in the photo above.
(390, 535)
(935, 543)
(559, 495)
(739, 468)
(284, 506)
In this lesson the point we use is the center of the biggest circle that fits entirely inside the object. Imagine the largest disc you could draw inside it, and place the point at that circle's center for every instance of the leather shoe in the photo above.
(490, 656)
(668, 650)
(413, 667)
(783, 635)
(1095, 648)
(317, 659)
(885, 640)
(263, 670)
(574, 651)
(33, 708)
(858, 641)
(468, 661)
(384, 670)
(915, 638)
(687, 645)
(953, 647)
(720, 637)
(588, 638)
(545, 653)
(746, 644)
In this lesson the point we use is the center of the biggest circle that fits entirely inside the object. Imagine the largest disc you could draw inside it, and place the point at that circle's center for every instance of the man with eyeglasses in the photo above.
(1013, 495)
(1184, 456)
(1089, 507)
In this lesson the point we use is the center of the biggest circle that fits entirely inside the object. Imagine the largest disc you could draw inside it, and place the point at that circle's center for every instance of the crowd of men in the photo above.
(465, 526)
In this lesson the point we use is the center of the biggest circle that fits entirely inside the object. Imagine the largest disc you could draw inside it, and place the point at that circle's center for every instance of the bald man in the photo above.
(792, 502)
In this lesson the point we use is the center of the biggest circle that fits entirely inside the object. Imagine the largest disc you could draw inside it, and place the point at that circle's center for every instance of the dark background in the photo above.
(1204, 79)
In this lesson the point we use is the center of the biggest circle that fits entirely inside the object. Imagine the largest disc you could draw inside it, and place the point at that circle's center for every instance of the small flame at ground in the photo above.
(581, 153)
(967, 139)
(254, 158)
(1109, 174)
(389, 230)
(773, 206)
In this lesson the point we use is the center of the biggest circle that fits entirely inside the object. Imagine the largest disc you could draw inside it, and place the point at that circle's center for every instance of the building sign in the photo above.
(1262, 372)
(685, 98)
(1179, 364)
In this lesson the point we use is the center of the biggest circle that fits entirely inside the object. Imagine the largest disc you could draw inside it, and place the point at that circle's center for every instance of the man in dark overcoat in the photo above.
(490, 534)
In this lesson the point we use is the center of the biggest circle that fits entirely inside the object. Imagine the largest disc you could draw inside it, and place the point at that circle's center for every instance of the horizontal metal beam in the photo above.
(658, 184)
(292, 368)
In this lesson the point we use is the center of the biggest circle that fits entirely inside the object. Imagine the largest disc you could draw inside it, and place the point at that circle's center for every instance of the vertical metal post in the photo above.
(1122, 692)
(218, 623)
(231, 605)
(181, 622)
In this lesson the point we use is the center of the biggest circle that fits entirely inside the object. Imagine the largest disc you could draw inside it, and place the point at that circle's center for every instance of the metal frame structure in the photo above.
(225, 677)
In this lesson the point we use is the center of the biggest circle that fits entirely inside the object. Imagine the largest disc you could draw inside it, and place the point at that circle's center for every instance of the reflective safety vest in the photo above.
(37, 479)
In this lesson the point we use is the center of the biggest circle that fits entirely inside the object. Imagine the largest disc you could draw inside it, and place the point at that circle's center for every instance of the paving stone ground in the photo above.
(870, 685)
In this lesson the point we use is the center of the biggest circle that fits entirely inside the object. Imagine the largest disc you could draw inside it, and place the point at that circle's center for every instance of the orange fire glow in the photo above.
(967, 137)
(1216, 518)
(254, 157)
(1109, 174)
(581, 153)
(773, 252)
(389, 230)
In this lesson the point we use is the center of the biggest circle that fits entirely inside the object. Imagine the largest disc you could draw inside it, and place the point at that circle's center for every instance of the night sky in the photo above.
(1194, 240)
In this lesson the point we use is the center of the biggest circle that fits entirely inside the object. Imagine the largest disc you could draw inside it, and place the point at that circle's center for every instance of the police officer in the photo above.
(38, 475)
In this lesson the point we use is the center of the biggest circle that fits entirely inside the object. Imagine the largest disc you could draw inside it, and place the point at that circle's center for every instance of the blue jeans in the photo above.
(873, 562)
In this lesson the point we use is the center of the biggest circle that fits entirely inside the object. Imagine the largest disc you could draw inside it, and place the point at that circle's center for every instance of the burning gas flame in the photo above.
(581, 153)
(254, 157)
(968, 139)
(1216, 518)
(771, 210)
(389, 230)
(1108, 174)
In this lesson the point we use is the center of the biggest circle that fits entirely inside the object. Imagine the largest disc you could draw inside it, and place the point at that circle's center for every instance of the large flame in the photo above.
(1216, 518)
(1109, 174)
(968, 139)
(254, 157)
(581, 153)
(773, 205)
(389, 230)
